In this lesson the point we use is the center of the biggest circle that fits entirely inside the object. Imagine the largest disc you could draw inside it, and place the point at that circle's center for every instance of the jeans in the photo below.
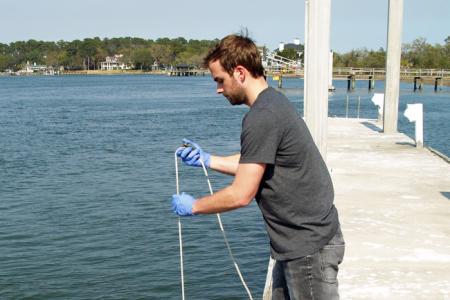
(311, 277)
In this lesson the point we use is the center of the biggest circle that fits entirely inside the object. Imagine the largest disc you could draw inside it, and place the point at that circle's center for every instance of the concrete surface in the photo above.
(394, 205)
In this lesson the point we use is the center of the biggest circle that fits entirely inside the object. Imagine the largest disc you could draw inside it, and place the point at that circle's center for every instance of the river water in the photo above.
(87, 171)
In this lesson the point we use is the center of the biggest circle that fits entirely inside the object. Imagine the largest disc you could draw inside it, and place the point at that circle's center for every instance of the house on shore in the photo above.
(114, 63)
(30, 69)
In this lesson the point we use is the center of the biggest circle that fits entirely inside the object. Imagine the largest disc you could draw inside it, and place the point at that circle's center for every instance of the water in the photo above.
(87, 170)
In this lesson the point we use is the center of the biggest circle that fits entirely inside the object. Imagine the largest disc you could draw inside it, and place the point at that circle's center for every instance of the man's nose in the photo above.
(219, 89)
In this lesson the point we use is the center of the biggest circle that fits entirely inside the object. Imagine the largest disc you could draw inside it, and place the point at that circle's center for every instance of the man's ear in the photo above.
(240, 73)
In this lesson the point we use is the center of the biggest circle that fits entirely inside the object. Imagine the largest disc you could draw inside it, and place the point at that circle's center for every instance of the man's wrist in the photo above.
(210, 162)
(194, 210)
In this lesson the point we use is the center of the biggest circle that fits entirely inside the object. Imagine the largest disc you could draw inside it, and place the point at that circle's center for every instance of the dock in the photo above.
(436, 77)
(187, 72)
(394, 206)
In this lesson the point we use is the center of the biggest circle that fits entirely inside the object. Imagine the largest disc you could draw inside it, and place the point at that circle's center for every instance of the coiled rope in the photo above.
(221, 229)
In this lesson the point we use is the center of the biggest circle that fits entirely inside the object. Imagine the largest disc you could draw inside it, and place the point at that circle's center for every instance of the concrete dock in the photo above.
(394, 205)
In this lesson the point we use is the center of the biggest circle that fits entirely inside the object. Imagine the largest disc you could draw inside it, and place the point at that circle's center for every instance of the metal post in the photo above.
(394, 43)
(359, 105)
(346, 109)
(305, 58)
(330, 71)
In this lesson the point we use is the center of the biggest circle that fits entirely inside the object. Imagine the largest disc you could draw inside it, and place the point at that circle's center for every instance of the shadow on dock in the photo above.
(372, 127)
(446, 195)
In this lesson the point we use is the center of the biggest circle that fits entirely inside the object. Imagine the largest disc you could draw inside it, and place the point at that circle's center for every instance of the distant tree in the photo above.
(4, 48)
(52, 58)
(88, 53)
(163, 54)
(194, 52)
(87, 50)
(374, 59)
(99, 56)
(349, 59)
(142, 58)
(446, 54)
(289, 53)
(6, 62)
(178, 45)
(71, 58)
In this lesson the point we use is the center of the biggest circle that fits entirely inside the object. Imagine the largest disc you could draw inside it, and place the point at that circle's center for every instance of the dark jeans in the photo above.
(310, 277)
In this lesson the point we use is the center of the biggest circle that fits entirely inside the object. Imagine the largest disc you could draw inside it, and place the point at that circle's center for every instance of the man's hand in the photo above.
(182, 204)
(191, 154)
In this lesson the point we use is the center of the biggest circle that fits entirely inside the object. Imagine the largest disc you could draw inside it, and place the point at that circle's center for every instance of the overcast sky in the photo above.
(354, 23)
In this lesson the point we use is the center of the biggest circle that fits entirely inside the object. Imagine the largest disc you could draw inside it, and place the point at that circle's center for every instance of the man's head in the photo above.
(235, 50)
(233, 62)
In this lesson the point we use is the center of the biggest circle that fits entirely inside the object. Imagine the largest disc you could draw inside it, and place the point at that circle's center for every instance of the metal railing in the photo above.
(358, 110)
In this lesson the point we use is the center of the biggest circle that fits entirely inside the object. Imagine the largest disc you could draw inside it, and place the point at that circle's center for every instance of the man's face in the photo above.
(227, 85)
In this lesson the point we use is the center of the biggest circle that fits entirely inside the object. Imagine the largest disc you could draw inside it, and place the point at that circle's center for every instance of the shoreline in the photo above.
(445, 81)
(114, 72)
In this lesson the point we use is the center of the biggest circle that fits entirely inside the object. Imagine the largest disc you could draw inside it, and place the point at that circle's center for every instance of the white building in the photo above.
(114, 63)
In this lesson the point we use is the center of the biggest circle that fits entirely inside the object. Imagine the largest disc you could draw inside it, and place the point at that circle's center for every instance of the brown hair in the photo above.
(234, 50)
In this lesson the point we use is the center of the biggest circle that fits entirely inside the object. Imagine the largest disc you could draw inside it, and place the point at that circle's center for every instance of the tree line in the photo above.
(418, 54)
(143, 53)
(87, 54)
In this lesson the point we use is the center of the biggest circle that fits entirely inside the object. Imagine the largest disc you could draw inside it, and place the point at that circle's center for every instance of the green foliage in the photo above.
(88, 53)
(289, 53)
(361, 58)
(6, 62)
(421, 54)
(142, 58)
(142, 53)
(417, 54)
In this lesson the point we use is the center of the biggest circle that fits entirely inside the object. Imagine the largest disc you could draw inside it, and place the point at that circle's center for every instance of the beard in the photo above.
(236, 96)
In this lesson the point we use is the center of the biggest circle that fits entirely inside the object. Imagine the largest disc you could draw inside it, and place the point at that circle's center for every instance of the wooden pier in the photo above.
(187, 72)
(393, 201)
(438, 77)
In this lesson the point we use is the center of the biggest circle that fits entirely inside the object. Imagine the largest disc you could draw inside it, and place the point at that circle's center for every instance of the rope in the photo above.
(225, 236)
(221, 229)
(180, 238)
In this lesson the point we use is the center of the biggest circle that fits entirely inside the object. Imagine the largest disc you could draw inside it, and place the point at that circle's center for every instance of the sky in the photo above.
(354, 23)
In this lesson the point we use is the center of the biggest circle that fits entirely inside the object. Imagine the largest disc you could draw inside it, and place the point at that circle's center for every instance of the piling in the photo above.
(417, 83)
(437, 82)
(371, 82)
(351, 80)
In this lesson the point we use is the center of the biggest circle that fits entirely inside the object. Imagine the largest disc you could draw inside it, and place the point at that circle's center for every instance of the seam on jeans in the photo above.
(323, 266)
(310, 276)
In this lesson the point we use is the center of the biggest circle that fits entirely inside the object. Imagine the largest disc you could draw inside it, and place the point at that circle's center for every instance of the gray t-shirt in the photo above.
(296, 192)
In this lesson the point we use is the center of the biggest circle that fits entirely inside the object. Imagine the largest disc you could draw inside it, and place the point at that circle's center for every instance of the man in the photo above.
(280, 166)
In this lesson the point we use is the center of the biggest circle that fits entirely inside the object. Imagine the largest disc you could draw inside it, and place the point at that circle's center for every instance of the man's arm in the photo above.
(225, 164)
(239, 194)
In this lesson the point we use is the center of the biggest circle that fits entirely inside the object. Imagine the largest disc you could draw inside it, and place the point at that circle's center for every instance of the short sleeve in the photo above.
(260, 137)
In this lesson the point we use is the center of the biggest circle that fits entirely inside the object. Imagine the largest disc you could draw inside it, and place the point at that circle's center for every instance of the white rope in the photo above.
(180, 238)
(221, 229)
(225, 236)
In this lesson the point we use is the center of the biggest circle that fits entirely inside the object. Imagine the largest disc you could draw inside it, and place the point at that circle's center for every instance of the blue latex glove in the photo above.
(182, 204)
(191, 154)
